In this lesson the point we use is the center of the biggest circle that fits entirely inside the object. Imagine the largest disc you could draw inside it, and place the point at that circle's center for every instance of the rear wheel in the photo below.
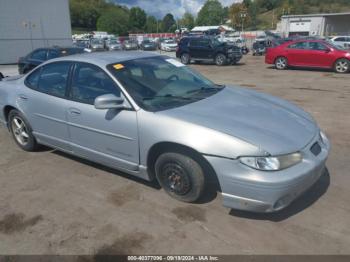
(220, 59)
(185, 58)
(342, 66)
(281, 63)
(21, 131)
(180, 176)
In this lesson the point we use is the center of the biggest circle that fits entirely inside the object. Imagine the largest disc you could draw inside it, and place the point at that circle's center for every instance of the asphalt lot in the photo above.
(52, 203)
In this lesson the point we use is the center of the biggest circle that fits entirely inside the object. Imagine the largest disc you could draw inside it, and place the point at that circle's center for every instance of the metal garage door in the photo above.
(300, 27)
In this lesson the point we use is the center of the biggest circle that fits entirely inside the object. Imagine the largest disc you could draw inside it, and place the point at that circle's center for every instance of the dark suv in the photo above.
(206, 48)
(40, 55)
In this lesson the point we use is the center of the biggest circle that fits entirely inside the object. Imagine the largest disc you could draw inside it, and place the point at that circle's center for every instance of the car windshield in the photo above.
(160, 83)
(113, 42)
(335, 46)
(96, 41)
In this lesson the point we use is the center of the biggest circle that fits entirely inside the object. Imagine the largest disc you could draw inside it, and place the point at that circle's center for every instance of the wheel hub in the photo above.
(176, 178)
(20, 131)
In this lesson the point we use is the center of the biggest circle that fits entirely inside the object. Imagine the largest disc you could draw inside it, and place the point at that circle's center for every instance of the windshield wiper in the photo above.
(206, 89)
(167, 96)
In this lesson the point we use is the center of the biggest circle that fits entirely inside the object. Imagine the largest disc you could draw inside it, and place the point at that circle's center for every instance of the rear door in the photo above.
(44, 103)
(200, 48)
(297, 54)
(107, 136)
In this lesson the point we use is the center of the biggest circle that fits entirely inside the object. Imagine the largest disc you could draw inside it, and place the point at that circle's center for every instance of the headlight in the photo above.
(272, 163)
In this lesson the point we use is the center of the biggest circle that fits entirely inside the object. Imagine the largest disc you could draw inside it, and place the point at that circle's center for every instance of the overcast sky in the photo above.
(159, 8)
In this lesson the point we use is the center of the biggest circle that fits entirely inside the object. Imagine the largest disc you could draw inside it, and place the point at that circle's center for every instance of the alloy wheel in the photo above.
(19, 130)
(342, 66)
(281, 63)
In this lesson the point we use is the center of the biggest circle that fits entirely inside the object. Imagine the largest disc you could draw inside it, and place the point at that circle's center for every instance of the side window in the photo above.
(89, 82)
(53, 79)
(299, 45)
(39, 55)
(32, 80)
(194, 42)
(340, 39)
(317, 46)
(53, 54)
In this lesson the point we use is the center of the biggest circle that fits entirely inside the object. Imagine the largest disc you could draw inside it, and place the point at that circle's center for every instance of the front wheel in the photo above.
(21, 131)
(281, 63)
(342, 66)
(220, 59)
(180, 176)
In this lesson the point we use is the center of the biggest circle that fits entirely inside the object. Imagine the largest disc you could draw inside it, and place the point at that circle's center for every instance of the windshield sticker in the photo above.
(118, 66)
(175, 62)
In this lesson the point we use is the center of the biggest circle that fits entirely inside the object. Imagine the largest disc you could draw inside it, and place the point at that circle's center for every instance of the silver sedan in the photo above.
(155, 118)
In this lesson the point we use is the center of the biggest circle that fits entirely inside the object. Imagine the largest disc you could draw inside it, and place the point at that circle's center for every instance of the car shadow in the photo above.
(153, 184)
(327, 70)
(304, 201)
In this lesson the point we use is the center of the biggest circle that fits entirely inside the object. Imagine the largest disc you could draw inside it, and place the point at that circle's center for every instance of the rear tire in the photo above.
(180, 176)
(342, 66)
(21, 131)
(220, 60)
(281, 63)
(185, 58)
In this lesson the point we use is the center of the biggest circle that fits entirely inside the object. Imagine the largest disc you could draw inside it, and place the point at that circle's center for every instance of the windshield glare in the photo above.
(160, 83)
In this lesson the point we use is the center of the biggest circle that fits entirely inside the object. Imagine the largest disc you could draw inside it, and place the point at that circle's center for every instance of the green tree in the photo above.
(187, 21)
(211, 13)
(137, 19)
(151, 24)
(114, 20)
(168, 23)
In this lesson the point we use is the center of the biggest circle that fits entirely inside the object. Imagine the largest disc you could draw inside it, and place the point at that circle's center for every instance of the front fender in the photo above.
(156, 128)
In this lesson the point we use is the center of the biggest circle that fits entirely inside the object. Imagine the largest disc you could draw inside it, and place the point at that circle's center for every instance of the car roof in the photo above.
(105, 58)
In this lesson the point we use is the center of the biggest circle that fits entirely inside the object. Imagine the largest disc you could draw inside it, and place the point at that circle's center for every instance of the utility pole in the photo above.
(243, 16)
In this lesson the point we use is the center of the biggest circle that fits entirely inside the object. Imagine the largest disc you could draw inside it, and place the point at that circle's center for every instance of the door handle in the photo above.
(23, 97)
(74, 111)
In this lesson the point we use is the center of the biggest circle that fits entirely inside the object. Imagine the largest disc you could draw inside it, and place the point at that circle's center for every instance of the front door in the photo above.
(109, 137)
(320, 55)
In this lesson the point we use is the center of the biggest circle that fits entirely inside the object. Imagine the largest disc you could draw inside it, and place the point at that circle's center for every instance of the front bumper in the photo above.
(248, 189)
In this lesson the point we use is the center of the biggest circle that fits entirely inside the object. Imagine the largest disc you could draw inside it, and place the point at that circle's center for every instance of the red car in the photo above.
(309, 53)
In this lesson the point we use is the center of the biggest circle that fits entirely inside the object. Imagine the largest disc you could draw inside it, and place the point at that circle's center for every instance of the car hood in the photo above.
(274, 125)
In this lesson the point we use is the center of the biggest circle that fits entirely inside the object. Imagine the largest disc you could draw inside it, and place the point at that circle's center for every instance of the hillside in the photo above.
(264, 17)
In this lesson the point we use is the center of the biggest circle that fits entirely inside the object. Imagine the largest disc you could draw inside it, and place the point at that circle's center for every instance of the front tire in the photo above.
(342, 66)
(21, 131)
(180, 176)
(220, 59)
(281, 63)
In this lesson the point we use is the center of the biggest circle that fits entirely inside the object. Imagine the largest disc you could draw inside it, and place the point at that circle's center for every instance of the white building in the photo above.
(29, 24)
(315, 24)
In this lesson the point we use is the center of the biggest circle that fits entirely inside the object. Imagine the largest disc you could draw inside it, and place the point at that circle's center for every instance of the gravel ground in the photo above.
(52, 203)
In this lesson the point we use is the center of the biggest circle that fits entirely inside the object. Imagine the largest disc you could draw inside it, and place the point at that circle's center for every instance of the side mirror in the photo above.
(328, 50)
(109, 101)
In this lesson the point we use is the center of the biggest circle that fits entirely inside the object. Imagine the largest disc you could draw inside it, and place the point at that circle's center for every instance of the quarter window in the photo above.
(33, 79)
(89, 82)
